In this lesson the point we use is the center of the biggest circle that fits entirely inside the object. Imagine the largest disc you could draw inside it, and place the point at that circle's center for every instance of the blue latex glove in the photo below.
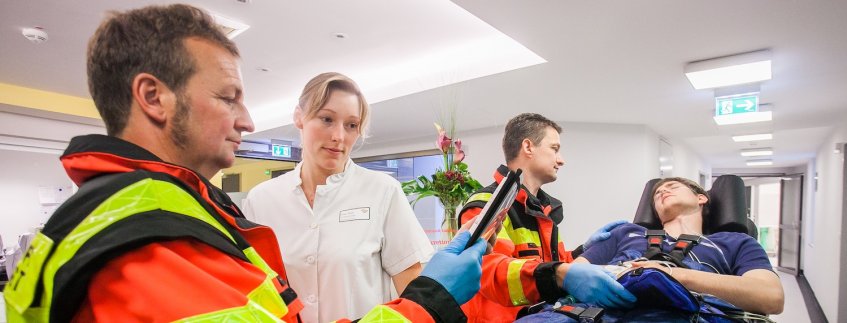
(458, 271)
(594, 285)
(603, 233)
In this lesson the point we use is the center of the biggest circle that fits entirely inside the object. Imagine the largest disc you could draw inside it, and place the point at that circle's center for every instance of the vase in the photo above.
(449, 225)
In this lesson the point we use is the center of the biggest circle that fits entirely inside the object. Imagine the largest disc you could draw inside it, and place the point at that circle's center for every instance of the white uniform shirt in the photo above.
(340, 256)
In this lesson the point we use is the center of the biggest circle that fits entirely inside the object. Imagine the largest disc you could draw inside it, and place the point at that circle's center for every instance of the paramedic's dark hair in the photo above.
(696, 188)
(147, 40)
(530, 126)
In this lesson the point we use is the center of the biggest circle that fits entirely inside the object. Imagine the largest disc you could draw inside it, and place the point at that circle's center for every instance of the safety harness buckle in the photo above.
(583, 315)
(680, 250)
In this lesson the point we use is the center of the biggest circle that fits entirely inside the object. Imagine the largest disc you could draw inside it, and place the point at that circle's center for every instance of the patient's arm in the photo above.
(758, 290)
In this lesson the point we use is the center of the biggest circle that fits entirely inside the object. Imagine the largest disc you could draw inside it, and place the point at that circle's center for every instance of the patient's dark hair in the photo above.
(696, 188)
(530, 126)
(146, 40)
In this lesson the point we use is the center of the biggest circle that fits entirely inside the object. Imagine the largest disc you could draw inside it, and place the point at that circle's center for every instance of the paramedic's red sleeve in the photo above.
(510, 281)
(167, 281)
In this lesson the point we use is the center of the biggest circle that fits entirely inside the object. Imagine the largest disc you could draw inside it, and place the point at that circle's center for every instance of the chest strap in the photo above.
(681, 247)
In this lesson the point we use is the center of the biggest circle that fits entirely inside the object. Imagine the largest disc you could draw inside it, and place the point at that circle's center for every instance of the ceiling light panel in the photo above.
(730, 70)
(756, 137)
(757, 152)
(739, 118)
(760, 162)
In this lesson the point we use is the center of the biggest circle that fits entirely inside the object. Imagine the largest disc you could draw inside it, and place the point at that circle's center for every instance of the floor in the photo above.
(795, 308)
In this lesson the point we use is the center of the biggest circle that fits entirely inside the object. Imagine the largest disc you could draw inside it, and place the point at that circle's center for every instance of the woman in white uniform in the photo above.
(349, 231)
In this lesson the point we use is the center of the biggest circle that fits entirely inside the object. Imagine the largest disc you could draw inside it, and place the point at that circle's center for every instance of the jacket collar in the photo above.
(90, 156)
(538, 205)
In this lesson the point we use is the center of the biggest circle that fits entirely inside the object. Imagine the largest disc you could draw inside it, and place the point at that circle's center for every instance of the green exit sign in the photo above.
(281, 151)
(737, 104)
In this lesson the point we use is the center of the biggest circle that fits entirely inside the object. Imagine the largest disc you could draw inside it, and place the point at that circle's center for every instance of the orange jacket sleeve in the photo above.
(424, 300)
(167, 281)
(511, 281)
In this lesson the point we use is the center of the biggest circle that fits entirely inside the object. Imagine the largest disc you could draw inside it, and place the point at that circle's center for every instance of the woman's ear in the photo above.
(153, 97)
(298, 117)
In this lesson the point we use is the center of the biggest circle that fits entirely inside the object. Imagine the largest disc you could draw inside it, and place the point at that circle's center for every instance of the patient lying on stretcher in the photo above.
(731, 266)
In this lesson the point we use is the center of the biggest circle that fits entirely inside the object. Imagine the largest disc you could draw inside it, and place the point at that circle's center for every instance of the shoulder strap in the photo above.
(680, 250)
(683, 245)
(654, 243)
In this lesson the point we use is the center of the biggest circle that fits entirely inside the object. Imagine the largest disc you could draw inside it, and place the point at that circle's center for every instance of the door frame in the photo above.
(793, 271)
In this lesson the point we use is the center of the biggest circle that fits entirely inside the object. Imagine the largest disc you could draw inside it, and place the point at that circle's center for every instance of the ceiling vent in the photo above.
(229, 27)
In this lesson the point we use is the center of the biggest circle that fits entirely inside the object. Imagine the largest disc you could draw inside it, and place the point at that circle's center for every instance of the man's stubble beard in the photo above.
(179, 131)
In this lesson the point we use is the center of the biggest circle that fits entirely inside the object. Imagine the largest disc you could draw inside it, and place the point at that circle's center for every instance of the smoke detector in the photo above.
(36, 34)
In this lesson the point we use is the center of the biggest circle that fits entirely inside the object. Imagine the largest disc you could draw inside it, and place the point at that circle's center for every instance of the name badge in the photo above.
(362, 213)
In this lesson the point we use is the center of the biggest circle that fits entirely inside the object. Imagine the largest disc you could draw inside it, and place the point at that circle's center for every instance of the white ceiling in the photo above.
(607, 62)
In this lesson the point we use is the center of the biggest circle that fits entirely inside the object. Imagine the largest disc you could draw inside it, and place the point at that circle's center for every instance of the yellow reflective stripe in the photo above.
(513, 280)
(20, 291)
(521, 235)
(142, 196)
(268, 297)
(479, 197)
(382, 313)
(504, 233)
(257, 260)
(36, 314)
(251, 312)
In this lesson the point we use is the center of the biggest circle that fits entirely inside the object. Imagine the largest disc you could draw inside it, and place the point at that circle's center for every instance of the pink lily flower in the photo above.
(443, 141)
(458, 153)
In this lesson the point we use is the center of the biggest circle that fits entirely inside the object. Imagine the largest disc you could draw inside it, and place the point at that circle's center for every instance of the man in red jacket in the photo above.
(530, 263)
(147, 237)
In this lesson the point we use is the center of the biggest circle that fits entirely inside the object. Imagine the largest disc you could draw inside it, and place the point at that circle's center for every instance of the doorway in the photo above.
(775, 204)
(763, 203)
(790, 219)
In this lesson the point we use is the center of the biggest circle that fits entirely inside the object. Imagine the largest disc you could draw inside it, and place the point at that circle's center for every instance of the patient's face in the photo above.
(674, 198)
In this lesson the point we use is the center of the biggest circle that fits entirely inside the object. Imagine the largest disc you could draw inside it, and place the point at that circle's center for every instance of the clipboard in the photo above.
(496, 209)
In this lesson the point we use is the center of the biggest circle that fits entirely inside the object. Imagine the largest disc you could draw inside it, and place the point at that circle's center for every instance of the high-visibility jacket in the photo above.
(521, 270)
(145, 240)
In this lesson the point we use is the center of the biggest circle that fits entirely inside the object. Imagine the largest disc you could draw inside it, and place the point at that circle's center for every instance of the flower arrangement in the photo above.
(452, 185)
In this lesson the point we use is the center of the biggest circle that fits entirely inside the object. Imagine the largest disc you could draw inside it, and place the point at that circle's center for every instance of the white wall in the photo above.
(29, 159)
(824, 250)
(688, 164)
(21, 175)
(606, 167)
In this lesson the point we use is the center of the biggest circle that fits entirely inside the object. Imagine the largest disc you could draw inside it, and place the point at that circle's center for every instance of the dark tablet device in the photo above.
(496, 209)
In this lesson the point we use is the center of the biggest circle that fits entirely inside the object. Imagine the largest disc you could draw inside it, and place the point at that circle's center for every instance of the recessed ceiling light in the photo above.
(748, 117)
(760, 162)
(756, 137)
(229, 27)
(757, 152)
(730, 70)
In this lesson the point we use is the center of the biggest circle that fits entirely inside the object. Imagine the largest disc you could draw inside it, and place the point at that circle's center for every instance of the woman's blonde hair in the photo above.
(318, 89)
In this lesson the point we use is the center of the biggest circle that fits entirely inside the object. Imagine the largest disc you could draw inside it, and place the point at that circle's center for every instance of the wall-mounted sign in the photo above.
(281, 151)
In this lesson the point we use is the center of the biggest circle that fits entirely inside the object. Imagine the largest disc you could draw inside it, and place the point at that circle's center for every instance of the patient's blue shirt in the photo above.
(730, 253)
